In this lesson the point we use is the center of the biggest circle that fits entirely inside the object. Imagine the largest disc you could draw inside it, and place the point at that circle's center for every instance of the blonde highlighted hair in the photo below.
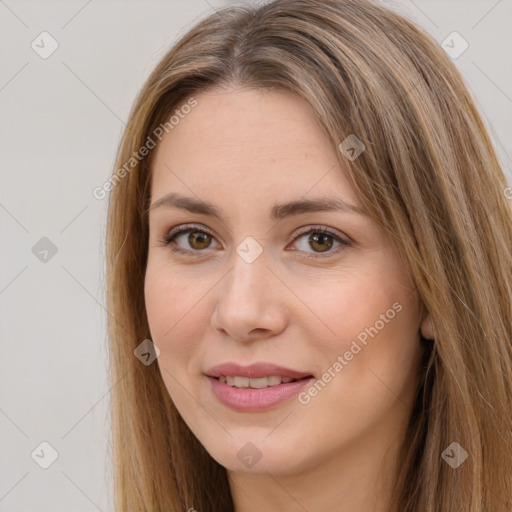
(429, 176)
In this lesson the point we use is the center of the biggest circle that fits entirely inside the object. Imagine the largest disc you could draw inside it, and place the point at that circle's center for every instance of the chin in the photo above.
(256, 455)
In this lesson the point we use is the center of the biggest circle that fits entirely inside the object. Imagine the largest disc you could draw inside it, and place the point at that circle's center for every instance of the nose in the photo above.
(250, 303)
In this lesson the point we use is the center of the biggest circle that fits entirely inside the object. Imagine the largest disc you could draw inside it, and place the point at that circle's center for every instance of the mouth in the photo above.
(255, 371)
(259, 383)
(256, 387)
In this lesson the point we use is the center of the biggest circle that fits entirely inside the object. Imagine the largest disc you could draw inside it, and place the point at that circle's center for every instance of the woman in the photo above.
(309, 226)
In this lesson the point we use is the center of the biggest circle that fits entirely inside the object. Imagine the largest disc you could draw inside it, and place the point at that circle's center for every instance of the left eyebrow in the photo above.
(277, 211)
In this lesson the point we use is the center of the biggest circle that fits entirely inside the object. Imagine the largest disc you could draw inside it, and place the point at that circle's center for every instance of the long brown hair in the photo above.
(429, 175)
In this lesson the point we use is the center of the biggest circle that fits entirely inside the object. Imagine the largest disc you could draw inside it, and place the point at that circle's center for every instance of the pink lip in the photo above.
(255, 371)
(248, 399)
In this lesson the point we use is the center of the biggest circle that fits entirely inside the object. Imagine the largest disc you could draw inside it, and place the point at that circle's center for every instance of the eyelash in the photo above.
(169, 238)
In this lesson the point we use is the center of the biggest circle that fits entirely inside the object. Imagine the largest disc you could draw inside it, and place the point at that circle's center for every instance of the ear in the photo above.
(426, 327)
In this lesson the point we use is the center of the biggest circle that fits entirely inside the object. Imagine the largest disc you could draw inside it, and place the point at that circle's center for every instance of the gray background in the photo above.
(62, 118)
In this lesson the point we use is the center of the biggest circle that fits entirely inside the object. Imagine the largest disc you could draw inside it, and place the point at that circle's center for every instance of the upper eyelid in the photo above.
(184, 228)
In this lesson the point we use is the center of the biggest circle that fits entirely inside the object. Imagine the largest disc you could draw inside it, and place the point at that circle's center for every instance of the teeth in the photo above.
(274, 381)
(239, 382)
(246, 382)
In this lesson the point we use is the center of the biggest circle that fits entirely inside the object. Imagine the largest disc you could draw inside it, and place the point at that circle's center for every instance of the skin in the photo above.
(244, 150)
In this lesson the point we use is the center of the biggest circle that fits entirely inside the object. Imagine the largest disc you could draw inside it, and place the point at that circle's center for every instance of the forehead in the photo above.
(251, 142)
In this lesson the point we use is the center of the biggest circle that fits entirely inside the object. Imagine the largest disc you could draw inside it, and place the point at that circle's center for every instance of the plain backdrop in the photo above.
(61, 120)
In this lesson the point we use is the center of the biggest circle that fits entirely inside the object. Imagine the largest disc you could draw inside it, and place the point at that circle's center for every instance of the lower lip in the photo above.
(249, 399)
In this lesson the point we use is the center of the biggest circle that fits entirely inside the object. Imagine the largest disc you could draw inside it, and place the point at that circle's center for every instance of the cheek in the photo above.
(379, 347)
(172, 307)
(339, 310)
(370, 318)
(369, 369)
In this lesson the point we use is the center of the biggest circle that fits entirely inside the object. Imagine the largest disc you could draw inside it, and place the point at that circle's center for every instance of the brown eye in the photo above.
(200, 238)
(196, 242)
(321, 241)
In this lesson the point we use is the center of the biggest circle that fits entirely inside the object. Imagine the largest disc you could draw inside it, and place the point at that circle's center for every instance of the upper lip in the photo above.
(254, 371)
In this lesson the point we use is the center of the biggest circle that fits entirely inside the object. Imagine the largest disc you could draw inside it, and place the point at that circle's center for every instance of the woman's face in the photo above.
(252, 286)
